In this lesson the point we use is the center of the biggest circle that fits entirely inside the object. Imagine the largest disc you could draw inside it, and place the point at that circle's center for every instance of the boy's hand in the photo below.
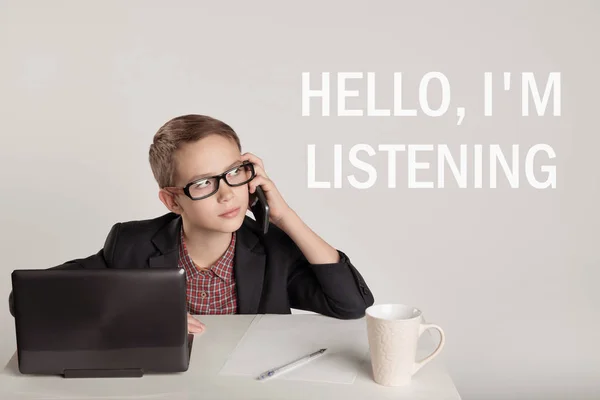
(278, 208)
(194, 326)
(316, 250)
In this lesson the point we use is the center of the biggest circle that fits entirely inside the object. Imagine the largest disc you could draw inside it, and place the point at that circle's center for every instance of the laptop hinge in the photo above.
(104, 373)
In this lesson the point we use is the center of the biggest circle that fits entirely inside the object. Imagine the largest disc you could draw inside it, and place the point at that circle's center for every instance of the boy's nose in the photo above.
(225, 193)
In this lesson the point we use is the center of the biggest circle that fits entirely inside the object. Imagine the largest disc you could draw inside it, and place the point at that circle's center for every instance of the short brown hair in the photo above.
(177, 132)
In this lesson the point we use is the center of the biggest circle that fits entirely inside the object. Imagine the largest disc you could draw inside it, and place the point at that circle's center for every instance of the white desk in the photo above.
(202, 380)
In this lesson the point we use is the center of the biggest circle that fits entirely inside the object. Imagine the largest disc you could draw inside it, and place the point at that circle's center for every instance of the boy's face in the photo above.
(211, 156)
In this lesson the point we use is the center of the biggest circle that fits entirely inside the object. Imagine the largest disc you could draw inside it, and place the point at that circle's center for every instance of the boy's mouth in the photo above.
(230, 213)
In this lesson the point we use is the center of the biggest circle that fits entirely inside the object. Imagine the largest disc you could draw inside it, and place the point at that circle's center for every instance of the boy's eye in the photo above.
(235, 171)
(202, 184)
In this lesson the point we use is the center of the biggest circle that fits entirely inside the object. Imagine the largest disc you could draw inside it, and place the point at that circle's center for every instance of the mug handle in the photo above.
(422, 328)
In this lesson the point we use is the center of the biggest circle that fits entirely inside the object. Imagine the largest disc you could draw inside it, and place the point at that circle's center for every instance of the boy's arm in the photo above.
(322, 279)
(315, 249)
(93, 261)
(102, 259)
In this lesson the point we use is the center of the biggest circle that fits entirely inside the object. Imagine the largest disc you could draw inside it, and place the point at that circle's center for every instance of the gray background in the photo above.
(509, 273)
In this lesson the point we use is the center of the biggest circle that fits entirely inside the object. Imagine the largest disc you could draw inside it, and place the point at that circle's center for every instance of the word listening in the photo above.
(469, 171)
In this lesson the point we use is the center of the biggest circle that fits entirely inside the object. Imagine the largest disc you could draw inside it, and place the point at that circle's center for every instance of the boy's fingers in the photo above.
(195, 322)
(260, 171)
(253, 159)
(194, 325)
(195, 329)
(258, 181)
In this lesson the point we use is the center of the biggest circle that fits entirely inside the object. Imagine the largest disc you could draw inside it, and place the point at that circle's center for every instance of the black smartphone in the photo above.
(260, 208)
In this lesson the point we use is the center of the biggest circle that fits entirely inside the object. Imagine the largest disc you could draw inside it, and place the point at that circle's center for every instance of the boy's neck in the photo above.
(205, 247)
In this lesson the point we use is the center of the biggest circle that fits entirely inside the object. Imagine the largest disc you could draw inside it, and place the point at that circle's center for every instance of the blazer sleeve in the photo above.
(102, 259)
(337, 290)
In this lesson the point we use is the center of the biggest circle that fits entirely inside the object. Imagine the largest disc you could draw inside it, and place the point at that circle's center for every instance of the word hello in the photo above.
(436, 80)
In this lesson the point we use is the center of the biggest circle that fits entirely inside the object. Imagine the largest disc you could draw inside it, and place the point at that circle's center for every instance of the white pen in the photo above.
(288, 367)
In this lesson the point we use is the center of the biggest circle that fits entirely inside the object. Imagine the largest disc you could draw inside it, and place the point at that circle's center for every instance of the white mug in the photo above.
(393, 332)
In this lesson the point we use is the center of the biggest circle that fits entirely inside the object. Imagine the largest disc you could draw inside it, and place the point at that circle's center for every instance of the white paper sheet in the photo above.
(275, 340)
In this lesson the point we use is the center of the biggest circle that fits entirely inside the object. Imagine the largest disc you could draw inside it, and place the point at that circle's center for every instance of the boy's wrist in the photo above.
(315, 249)
(285, 221)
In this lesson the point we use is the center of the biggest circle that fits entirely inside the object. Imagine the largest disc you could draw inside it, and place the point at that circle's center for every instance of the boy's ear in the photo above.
(169, 200)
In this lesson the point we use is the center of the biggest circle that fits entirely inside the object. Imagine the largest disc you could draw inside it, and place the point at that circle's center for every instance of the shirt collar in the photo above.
(223, 267)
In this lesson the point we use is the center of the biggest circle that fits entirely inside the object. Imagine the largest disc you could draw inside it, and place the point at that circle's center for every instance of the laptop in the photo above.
(101, 322)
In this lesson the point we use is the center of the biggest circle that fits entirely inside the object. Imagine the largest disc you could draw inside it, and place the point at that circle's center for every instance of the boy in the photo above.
(231, 267)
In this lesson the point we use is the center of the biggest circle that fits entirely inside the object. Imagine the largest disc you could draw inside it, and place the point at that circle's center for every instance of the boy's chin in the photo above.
(221, 225)
(230, 225)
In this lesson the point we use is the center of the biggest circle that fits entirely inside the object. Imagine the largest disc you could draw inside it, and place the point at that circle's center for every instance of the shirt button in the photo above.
(203, 294)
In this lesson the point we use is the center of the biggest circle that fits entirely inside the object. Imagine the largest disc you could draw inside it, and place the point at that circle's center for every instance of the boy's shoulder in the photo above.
(157, 223)
(170, 222)
(150, 222)
(169, 225)
(148, 226)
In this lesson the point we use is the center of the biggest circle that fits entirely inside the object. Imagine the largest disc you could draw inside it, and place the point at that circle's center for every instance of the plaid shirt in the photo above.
(210, 291)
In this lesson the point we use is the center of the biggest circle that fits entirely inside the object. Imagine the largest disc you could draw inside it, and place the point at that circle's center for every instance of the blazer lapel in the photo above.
(249, 264)
(166, 241)
(249, 270)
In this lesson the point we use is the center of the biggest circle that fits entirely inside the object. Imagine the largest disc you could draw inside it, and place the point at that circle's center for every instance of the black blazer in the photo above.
(272, 275)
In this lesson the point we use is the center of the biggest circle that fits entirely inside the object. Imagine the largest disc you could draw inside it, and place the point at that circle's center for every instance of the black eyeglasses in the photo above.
(206, 187)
